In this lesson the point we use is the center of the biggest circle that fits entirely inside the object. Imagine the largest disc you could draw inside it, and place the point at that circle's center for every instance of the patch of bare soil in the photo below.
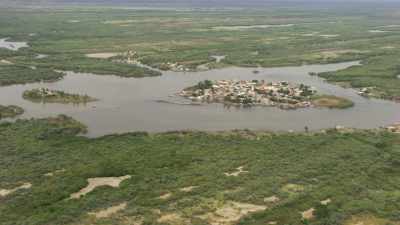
(6, 62)
(135, 220)
(326, 201)
(329, 35)
(308, 214)
(388, 47)
(293, 188)
(109, 211)
(5, 192)
(173, 219)
(188, 189)
(231, 212)
(272, 199)
(238, 171)
(97, 182)
(50, 174)
(104, 55)
(165, 196)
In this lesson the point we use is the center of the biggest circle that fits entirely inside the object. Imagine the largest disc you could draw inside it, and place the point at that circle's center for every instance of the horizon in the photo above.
(190, 3)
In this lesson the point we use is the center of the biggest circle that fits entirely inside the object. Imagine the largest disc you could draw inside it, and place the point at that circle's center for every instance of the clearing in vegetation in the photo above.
(98, 182)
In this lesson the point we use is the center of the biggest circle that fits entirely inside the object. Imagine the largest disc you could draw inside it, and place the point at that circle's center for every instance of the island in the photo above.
(261, 93)
(10, 111)
(54, 96)
(331, 101)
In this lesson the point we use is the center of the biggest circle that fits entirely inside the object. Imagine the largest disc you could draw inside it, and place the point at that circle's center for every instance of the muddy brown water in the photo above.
(138, 104)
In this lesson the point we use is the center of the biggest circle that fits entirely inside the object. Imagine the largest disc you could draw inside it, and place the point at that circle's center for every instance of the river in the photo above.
(133, 104)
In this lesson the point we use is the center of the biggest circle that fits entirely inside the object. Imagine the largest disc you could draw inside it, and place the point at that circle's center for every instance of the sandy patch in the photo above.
(231, 212)
(50, 174)
(73, 21)
(293, 188)
(272, 223)
(5, 192)
(388, 47)
(329, 35)
(41, 56)
(165, 196)
(104, 55)
(218, 58)
(173, 219)
(237, 28)
(133, 220)
(188, 189)
(12, 45)
(98, 182)
(109, 211)
(308, 214)
(272, 199)
(378, 31)
(310, 34)
(6, 62)
(326, 201)
(238, 171)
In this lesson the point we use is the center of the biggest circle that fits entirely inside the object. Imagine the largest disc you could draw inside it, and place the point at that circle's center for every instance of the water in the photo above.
(131, 104)
(12, 45)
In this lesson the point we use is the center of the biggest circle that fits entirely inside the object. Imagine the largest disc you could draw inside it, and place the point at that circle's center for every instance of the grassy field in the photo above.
(264, 37)
(194, 178)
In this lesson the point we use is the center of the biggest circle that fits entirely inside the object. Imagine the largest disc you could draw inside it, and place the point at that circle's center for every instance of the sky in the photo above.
(184, 3)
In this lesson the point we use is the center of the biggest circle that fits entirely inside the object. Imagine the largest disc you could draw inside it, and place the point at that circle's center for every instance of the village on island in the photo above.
(259, 92)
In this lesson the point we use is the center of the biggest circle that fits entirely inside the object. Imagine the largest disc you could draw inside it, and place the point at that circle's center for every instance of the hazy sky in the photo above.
(194, 3)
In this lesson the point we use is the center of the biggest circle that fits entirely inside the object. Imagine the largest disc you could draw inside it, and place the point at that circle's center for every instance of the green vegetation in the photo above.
(358, 171)
(54, 96)
(377, 75)
(331, 101)
(10, 111)
(13, 74)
